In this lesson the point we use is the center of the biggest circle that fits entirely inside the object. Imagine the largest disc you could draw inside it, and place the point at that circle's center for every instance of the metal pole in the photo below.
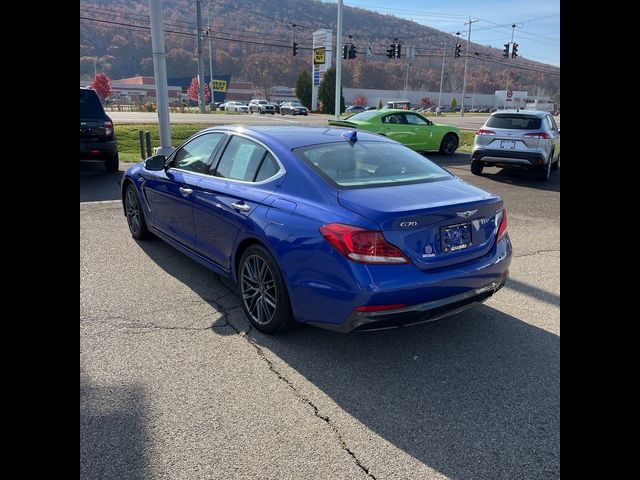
(210, 58)
(473, 98)
(200, 59)
(444, 48)
(338, 52)
(466, 58)
(160, 74)
(406, 79)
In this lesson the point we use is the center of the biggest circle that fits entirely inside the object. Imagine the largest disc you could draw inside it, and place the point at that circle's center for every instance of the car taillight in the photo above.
(502, 228)
(482, 131)
(108, 128)
(537, 135)
(360, 245)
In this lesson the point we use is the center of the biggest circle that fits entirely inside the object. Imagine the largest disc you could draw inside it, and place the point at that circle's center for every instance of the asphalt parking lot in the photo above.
(175, 384)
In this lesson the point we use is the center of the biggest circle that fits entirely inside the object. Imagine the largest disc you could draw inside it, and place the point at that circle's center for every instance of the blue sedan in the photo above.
(336, 228)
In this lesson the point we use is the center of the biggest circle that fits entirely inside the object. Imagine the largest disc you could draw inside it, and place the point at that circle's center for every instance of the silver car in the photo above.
(236, 107)
(524, 138)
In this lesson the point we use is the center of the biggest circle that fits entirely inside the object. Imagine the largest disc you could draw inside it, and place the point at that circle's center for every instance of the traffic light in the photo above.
(398, 50)
(352, 51)
(514, 51)
(344, 51)
(295, 49)
(505, 52)
(391, 50)
(456, 53)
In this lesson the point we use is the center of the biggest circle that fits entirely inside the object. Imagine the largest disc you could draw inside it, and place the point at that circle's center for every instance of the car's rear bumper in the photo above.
(508, 157)
(98, 150)
(413, 295)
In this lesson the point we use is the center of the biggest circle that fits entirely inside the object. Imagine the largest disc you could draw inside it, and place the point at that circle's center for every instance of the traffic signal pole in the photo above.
(466, 59)
(338, 61)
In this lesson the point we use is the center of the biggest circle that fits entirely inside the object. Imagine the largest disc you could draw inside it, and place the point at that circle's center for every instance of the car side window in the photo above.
(268, 168)
(414, 119)
(240, 160)
(554, 125)
(394, 119)
(196, 155)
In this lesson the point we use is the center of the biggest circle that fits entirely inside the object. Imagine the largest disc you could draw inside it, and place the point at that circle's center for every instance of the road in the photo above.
(468, 122)
(175, 384)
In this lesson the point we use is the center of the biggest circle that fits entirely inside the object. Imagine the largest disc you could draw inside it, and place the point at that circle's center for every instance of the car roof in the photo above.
(294, 137)
(533, 113)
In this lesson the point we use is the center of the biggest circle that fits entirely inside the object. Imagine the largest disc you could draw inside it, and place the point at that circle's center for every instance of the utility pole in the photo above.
(338, 61)
(210, 58)
(95, 68)
(466, 59)
(444, 49)
(201, 103)
(160, 75)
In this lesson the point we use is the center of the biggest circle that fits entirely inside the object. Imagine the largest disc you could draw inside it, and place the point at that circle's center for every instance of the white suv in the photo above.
(261, 106)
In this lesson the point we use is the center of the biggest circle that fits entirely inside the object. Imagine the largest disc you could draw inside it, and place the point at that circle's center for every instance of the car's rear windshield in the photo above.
(514, 122)
(366, 115)
(89, 102)
(367, 164)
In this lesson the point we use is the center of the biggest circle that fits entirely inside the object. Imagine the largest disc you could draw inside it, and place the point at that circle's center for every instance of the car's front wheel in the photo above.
(449, 144)
(556, 165)
(134, 214)
(477, 167)
(265, 300)
(545, 171)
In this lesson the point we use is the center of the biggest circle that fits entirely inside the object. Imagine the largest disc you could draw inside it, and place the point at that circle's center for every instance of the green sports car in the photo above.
(406, 127)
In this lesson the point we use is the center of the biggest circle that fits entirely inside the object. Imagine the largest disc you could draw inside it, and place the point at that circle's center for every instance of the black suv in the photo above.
(97, 136)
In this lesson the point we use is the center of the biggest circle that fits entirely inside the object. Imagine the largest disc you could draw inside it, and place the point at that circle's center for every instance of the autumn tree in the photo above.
(303, 88)
(102, 85)
(379, 104)
(360, 100)
(454, 102)
(327, 92)
(426, 102)
(192, 91)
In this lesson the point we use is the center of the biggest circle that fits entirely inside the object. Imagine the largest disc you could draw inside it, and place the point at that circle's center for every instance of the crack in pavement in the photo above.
(535, 253)
(288, 383)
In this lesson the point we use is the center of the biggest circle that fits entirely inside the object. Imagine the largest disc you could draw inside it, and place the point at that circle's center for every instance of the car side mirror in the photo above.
(155, 163)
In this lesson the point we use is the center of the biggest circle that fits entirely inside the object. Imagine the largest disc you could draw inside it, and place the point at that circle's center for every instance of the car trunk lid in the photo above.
(435, 224)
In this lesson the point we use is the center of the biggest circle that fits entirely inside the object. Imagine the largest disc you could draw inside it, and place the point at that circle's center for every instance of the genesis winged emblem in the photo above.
(466, 214)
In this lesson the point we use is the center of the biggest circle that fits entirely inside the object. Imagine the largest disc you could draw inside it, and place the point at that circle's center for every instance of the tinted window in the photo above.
(240, 160)
(268, 168)
(195, 155)
(370, 163)
(414, 119)
(89, 102)
(395, 118)
(364, 115)
(514, 122)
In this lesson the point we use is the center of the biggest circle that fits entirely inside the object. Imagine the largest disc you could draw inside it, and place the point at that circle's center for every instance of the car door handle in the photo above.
(242, 207)
(186, 190)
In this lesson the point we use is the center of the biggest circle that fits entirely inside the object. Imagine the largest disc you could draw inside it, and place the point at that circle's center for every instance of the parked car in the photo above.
(261, 106)
(97, 136)
(293, 108)
(342, 229)
(409, 128)
(370, 108)
(236, 106)
(355, 109)
(523, 138)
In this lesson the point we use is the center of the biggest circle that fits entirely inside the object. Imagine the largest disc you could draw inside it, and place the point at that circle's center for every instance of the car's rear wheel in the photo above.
(449, 144)
(476, 167)
(545, 171)
(112, 164)
(133, 212)
(265, 300)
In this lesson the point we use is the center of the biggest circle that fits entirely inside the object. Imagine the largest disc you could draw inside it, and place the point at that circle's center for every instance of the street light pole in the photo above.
(444, 49)
(338, 55)
(201, 102)
(210, 59)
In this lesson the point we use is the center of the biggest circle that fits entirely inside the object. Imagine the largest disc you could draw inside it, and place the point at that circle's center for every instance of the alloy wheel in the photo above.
(132, 211)
(258, 288)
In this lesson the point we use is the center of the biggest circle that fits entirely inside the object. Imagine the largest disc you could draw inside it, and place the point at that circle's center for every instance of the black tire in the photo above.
(264, 296)
(112, 164)
(544, 172)
(273, 113)
(556, 165)
(135, 216)
(449, 144)
(476, 167)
